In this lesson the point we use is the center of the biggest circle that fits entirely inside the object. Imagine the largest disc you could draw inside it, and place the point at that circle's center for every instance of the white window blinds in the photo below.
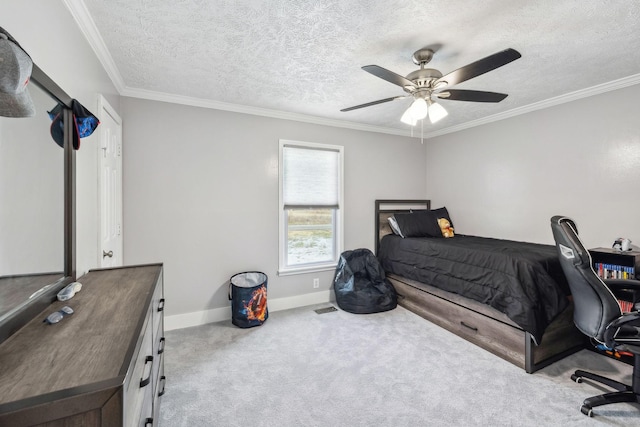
(311, 177)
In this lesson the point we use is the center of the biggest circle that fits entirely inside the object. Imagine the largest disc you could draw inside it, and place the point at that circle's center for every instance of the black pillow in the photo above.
(418, 224)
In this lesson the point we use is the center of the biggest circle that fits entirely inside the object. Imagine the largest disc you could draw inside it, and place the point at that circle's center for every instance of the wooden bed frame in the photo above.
(478, 323)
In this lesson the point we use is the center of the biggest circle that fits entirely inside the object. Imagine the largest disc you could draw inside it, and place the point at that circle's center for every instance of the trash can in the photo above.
(248, 295)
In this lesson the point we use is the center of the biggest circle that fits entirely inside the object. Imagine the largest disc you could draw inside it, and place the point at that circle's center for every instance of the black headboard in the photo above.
(386, 208)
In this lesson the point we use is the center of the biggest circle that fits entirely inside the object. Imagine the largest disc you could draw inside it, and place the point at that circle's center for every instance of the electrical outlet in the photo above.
(316, 283)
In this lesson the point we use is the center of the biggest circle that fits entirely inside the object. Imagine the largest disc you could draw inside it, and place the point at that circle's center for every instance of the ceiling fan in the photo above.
(425, 83)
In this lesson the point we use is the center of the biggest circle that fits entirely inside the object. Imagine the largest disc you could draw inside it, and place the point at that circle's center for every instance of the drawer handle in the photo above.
(161, 305)
(145, 382)
(164, 380)
(148, 422)
(473, 328)
(161, 346)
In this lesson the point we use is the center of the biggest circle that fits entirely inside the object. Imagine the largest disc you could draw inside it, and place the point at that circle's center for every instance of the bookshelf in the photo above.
(613, 264)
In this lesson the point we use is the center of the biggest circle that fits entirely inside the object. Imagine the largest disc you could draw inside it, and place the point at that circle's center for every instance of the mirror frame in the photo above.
(31, 308)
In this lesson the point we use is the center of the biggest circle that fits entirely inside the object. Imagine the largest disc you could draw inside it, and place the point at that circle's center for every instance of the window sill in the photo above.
(302, 270)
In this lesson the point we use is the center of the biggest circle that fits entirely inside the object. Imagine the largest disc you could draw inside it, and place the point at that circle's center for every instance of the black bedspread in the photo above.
(522, 280)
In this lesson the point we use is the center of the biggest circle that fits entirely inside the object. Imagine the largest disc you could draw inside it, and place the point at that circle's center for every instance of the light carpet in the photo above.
(386, 369)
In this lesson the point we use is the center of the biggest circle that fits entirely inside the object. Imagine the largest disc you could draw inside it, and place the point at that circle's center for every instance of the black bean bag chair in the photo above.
(360, 284)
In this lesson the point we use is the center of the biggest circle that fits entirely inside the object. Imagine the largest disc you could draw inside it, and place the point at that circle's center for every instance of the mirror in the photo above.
(33, 245)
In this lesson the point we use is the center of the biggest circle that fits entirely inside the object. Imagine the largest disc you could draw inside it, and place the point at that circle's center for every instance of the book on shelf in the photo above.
(609, 264)
(613, 271)
(626, 306)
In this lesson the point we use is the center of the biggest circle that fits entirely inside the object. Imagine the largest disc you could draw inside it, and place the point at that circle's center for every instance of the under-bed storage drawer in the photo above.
(499, 338)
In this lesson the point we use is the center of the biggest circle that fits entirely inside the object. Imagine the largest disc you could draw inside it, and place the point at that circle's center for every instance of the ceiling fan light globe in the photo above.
(419, 108)
(437, 112)
(408, 118)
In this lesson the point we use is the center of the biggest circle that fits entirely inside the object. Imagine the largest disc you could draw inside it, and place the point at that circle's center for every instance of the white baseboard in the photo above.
(186, 320)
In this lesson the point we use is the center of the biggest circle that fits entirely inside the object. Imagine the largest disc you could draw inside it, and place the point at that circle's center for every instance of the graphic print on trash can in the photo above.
(256, 308)
(248, 295)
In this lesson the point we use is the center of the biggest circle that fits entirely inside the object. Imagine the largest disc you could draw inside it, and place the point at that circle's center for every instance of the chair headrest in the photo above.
(571, 248)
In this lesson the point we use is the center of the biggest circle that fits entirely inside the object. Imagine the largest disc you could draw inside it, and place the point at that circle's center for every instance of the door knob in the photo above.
(109, 254)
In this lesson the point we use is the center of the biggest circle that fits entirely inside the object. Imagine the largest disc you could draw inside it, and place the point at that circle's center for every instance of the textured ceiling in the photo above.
(304, 57)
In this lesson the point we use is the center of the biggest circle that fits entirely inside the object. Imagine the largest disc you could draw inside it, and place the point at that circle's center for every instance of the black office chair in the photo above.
(597, 312)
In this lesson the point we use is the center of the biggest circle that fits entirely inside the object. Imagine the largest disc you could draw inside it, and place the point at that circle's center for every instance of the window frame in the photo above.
(338, 213)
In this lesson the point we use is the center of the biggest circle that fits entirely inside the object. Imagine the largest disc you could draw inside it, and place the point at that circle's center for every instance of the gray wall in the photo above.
(201, 195)
(580, 159)
(49, 34)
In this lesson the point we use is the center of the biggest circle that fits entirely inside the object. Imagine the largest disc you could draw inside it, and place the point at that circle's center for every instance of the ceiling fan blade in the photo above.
(389, 76)
(479, 67)
(368, 104)
(471, 95)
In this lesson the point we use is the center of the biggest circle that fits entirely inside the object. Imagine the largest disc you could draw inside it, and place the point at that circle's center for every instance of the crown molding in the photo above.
(206, 103)
(256, 111)
(551, 102)
(88, 27)
(86, 24)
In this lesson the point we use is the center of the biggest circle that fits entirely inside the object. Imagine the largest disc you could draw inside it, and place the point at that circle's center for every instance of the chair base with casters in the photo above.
(624, 393)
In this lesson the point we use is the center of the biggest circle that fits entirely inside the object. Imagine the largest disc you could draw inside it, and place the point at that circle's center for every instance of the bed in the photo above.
(510, 298)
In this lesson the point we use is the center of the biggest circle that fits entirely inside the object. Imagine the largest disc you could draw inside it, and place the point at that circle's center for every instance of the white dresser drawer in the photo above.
(146, 415)
(157, 306)
(139, 383)
(159, 390)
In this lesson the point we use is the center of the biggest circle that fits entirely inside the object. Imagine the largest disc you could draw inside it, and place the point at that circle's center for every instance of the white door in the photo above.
(110, 185)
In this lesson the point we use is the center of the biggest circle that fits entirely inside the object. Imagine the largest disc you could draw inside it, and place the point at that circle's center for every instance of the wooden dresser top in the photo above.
(92, 345)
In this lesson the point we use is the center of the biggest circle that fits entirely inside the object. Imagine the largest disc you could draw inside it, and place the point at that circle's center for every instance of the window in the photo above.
(310, 206)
